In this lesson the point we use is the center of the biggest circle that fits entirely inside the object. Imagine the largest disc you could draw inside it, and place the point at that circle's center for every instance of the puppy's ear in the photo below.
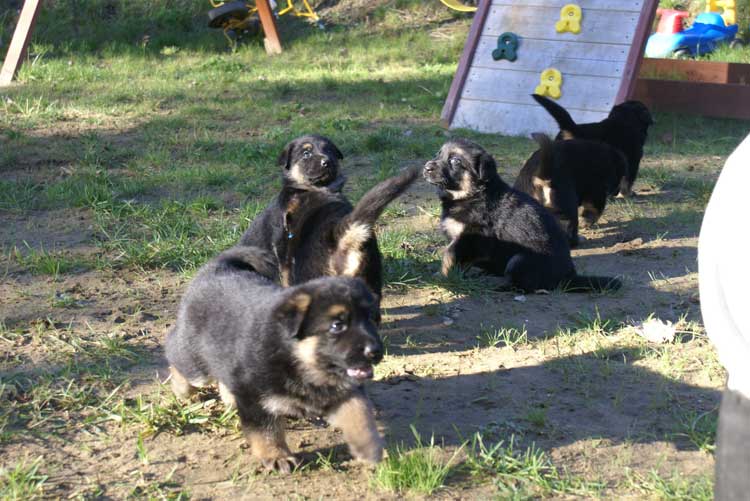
(484, 166)
(292, 311)
(337, 151)
(285, 159)
(645, 116)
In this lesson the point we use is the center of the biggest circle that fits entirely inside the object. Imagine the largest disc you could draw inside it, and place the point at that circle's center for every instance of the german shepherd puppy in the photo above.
(626, 129)
(566, 175)
(276, 352)
(498, 229)
(312, 228)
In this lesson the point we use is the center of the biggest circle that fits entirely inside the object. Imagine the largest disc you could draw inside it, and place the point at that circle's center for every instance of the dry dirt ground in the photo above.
(607, 406)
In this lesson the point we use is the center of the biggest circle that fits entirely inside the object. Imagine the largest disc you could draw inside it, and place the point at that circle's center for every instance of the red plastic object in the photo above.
(670, 20)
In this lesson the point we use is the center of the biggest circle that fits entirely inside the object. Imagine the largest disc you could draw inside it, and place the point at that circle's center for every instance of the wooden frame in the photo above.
(464, 63)
(491, 96)
(20, 41)
(707, 88)
(635, 56)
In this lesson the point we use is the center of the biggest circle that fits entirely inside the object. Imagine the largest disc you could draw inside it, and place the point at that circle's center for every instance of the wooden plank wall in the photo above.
(495, 95)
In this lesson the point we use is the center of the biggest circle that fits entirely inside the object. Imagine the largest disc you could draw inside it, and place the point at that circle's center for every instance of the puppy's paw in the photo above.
(368, 452)
(285, 465)
(181, 387)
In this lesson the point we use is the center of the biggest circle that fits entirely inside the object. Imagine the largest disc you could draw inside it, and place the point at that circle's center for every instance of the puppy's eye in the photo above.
(337, 327)
(455, 161)
(306, 154)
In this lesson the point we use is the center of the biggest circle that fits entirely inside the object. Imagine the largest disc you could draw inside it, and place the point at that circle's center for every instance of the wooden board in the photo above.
(19, 43)
(598, 65)
(696, 71)
(700, 98)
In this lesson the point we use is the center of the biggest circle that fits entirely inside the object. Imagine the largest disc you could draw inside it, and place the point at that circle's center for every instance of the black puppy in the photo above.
(626, 129)
(499, 229)
(311, 227)
(566, 175)
(277, 352)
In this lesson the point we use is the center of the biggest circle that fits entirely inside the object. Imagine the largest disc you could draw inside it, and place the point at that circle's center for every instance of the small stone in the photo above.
(448, 321)
(520, 299)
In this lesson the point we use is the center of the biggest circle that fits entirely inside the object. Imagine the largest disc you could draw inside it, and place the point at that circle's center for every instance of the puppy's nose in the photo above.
(429, 166)
(373, 351)
(324, 162)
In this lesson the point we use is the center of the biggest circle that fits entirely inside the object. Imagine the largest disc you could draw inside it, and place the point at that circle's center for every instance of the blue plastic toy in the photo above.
(701, 38)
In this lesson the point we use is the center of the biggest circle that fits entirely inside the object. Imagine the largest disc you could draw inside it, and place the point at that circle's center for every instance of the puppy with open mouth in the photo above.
(499, 229)
(626, 128)
(278, 352)
(311, 227)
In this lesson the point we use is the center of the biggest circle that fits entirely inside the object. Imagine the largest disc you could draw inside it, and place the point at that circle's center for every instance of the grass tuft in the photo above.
(420, 470)
(22, 482)
(522, 474)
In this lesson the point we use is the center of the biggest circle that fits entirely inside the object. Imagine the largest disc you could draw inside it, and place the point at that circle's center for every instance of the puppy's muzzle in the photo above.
(373, 352)
(431, 172)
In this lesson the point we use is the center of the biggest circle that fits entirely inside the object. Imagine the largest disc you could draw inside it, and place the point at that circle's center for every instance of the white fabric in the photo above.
(724, 268)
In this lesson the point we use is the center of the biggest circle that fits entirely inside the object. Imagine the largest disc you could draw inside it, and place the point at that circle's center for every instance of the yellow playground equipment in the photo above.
(729, 8)
(459, 5)
(238, 17)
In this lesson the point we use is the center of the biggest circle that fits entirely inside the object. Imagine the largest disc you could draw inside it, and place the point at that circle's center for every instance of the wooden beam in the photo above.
(464, 64)
(637, 47)
(709, 99)
(272, 42)
(695, 71)
(19, 43)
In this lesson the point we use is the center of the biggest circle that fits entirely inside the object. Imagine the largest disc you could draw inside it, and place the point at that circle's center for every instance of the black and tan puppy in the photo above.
(626, 129)
(312, 229)
(499, 229)
(277, 352)
(566, 175)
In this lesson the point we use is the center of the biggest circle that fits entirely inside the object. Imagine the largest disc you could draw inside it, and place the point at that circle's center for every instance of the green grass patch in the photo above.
(422, 469)
(522, 473)
(674, 488)
(23, 481)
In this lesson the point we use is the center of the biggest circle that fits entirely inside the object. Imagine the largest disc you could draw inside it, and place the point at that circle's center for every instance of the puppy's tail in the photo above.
(560, 114)
(357, 227)
(588, 283)
(247, 258)
(545, 150)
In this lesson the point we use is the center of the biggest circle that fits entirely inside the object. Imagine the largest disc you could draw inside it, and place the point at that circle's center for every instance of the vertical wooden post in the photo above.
(637, 48)
(21, 37)
(271, 41)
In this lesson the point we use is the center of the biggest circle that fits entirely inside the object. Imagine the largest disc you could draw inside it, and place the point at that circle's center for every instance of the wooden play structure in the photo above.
(584, 54)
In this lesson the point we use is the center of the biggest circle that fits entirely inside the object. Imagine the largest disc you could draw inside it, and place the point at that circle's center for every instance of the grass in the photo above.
(23, 481)
(700, 429)
(422, 469)
(673, 488)
(522, 473)
(503, 336)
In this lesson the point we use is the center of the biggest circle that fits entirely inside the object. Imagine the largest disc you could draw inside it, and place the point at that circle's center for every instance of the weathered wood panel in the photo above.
(578, 91)
(696, 71)
(598, 65)
(632, 6)
(700, 98)
(598, 26)
(569, 57)
(512, 118)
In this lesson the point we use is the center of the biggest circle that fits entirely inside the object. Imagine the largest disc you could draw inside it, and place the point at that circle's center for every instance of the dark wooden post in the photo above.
(20, 41)
(271, 40)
